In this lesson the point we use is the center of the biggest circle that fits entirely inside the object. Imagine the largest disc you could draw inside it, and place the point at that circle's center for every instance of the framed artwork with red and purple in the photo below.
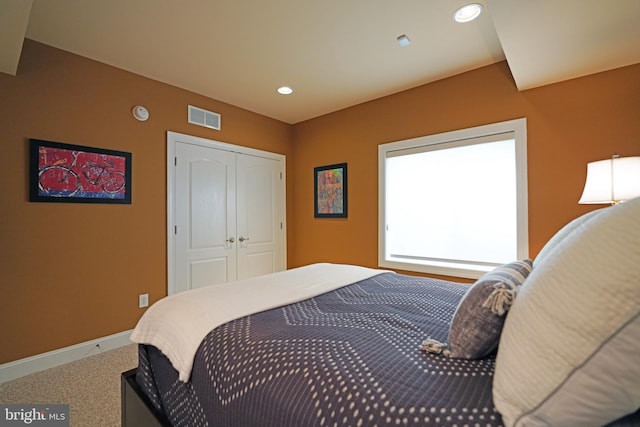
(330, 195)
(74, 173)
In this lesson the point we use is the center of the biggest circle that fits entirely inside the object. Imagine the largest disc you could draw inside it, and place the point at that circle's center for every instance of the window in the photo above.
(454, 203)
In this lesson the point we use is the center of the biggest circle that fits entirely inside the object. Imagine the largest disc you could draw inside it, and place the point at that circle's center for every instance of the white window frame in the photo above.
(519, 129)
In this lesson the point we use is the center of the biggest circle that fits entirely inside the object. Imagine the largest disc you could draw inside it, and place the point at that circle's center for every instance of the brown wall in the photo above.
(72, 272)
(568, 125)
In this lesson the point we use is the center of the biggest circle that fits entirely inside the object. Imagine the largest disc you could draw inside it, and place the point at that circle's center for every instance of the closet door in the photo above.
(259, 221)
(225, 210)
(205, 208)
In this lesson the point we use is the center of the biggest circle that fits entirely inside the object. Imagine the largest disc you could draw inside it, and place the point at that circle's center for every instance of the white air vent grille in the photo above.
(209, 119)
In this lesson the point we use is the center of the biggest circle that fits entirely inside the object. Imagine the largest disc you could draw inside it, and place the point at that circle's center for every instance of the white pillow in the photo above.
(569, 354)
(562, 234)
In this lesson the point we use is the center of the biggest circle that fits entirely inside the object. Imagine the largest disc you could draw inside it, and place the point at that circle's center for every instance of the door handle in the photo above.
(231, 240)
(242, 239)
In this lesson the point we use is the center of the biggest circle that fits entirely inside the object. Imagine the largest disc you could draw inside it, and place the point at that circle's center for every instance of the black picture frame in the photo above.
(68, 173)
(330, 191)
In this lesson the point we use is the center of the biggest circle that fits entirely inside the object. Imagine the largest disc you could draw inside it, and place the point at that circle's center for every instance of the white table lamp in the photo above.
(612, 181)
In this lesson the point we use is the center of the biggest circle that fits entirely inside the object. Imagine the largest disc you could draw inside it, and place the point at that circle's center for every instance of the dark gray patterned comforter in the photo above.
(350, 357)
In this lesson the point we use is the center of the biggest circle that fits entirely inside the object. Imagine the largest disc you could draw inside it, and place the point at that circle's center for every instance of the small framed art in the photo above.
(78, 174)
(330, 191)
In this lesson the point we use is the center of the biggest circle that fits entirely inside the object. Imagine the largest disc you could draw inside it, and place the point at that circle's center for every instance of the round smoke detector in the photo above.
(140, 113)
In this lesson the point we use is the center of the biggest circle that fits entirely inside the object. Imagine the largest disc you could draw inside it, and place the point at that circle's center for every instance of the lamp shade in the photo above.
(612, 181)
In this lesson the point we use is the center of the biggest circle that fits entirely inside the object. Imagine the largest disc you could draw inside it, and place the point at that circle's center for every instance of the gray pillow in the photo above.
(477, 322)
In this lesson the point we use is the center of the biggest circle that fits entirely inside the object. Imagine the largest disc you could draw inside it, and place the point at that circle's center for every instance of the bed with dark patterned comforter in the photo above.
(348, 357)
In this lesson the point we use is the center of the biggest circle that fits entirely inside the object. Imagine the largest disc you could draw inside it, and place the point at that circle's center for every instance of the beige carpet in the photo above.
(90, 386)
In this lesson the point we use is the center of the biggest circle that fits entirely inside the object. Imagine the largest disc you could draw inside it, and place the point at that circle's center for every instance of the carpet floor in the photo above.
(91, 387)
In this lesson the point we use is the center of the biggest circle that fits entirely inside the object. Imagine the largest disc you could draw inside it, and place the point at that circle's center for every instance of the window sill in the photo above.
(440, 268)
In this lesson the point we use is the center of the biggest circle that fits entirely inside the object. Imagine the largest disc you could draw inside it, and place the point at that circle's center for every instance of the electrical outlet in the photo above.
(143, 300)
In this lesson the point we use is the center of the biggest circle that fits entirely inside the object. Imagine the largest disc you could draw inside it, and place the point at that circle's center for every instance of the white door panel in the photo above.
(205, 216)
(208, 210)
(207, 271)
(259, 263)
(258, 220)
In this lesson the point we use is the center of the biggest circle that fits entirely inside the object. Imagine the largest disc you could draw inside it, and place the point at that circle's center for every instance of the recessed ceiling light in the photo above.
(468, 13)
(403, 40)
(285, 90)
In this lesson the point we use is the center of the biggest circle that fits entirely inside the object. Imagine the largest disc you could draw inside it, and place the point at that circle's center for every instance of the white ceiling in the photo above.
(334, 53)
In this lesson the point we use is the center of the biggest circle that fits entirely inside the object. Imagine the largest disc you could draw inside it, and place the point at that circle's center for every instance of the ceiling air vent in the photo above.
(209, 119)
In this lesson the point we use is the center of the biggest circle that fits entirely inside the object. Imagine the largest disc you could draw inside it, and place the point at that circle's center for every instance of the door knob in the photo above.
(231, 240)
(242, 239)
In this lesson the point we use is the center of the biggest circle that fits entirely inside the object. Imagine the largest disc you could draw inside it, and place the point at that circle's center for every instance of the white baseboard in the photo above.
(19, 368)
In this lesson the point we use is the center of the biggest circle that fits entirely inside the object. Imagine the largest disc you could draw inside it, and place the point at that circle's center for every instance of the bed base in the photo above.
(137, 410)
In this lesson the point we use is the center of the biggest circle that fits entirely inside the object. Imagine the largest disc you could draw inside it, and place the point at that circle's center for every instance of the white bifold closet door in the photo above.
(229, 216)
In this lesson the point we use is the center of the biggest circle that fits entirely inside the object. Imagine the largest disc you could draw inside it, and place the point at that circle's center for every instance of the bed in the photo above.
(341, 345)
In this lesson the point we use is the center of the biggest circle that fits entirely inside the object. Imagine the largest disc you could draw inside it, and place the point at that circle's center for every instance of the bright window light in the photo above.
(454, 203)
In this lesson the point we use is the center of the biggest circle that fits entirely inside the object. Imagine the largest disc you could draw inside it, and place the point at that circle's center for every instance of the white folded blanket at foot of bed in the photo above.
(177, 324)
